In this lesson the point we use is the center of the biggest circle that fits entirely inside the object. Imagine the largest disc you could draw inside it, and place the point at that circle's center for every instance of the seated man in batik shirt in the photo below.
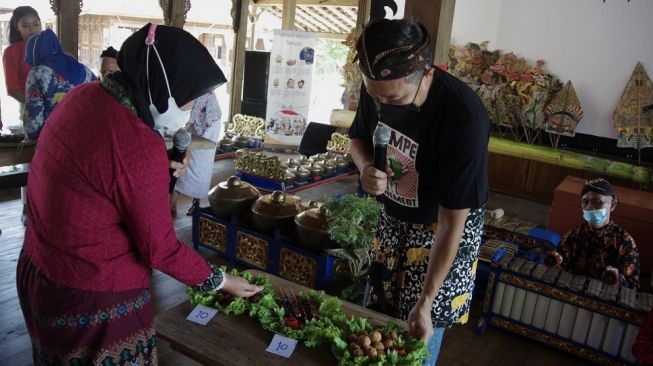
(599, 248)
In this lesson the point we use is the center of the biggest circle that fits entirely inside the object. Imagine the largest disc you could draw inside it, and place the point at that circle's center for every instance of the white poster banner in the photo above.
(289, 87)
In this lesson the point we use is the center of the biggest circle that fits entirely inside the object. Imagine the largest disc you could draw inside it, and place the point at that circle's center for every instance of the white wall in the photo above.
(596, 45)
(476, 21)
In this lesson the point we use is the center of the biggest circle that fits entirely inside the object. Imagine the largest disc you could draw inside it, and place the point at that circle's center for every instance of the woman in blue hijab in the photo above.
(52, 75)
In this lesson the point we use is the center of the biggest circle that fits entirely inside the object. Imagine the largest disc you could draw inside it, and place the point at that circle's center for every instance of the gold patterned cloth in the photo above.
(400, 261)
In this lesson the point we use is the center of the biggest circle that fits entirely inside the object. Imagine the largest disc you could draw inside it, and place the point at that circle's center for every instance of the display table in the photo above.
(634, 213)
(239, 340)
(13, 155)
(268, 186)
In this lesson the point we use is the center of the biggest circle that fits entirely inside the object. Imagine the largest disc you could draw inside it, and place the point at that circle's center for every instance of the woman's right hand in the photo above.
(239, 287)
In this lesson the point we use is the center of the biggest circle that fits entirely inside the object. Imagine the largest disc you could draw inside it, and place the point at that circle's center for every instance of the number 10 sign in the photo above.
(282, 346)
(201, 314)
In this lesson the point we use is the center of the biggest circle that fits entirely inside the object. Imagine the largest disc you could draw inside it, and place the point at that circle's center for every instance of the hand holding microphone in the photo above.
(374, 177)
(180, 142)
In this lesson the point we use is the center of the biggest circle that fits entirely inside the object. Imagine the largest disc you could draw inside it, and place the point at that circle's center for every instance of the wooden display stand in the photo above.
(280, 255)
(634, 213)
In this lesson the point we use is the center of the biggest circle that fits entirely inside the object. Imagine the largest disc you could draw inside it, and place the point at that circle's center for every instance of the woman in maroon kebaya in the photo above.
(99, 215)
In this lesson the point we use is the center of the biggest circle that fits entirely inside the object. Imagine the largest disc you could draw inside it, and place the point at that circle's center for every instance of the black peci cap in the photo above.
(599, 185)
(109, 52)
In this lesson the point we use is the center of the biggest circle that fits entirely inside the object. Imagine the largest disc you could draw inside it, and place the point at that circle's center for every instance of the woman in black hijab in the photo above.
(83, 273)
(189, 69)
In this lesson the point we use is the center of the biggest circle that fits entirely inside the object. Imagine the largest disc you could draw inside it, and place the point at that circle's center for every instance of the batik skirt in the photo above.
(75, 327)
(399, 263)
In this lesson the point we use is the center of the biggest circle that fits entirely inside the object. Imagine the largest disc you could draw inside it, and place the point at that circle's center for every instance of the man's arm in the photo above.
(360, 153)
(451, 225)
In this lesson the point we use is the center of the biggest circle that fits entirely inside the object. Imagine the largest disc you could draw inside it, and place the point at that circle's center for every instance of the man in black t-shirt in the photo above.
(435, 187)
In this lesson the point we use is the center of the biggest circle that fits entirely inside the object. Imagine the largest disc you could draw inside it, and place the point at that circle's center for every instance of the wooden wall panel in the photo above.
(507, 174)
(534, 180)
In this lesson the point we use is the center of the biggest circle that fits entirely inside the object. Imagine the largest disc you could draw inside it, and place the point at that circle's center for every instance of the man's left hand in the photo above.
(420, 323)
(179, 168)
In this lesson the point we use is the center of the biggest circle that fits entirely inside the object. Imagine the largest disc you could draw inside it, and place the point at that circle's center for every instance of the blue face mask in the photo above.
(596, 217)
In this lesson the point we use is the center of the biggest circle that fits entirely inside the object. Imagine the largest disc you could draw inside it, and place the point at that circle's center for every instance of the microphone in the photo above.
(380, 139)
(180, 142)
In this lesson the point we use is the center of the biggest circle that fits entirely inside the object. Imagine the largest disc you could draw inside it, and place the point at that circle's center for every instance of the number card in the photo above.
(282, 346)
(201, 314)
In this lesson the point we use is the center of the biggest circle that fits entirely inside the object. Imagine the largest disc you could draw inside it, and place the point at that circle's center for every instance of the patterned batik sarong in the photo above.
(400, 260)
(75, 327)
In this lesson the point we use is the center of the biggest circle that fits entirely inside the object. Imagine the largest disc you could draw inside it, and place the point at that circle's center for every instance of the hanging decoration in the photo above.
(564, 112)
(632, 119)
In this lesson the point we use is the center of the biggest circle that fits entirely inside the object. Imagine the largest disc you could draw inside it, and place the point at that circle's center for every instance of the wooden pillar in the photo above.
(437, 17)
(67, 12)
(363, 13)
(240, 13)
(288, 18)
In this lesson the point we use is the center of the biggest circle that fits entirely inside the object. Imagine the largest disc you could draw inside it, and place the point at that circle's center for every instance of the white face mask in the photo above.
(174, 117)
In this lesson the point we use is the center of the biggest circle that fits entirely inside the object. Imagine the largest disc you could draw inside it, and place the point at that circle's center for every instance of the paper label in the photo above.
(201, 314)
(282, 346)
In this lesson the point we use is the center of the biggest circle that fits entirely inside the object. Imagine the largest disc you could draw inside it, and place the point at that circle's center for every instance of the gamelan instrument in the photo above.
(574, 313)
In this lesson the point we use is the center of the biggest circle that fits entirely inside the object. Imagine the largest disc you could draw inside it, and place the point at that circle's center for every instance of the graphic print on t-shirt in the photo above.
(402, 186)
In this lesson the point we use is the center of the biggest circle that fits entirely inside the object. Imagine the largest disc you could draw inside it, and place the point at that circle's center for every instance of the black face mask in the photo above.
(391, 114)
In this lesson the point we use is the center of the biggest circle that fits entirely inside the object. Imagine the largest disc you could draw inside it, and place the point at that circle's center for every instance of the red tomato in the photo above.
(292, 322)
(401, 351)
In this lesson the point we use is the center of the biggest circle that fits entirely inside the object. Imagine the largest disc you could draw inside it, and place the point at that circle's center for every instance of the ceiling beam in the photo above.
(334, 20)
(331, 27)
(310, 2)
(308, 21)
(351, 12)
